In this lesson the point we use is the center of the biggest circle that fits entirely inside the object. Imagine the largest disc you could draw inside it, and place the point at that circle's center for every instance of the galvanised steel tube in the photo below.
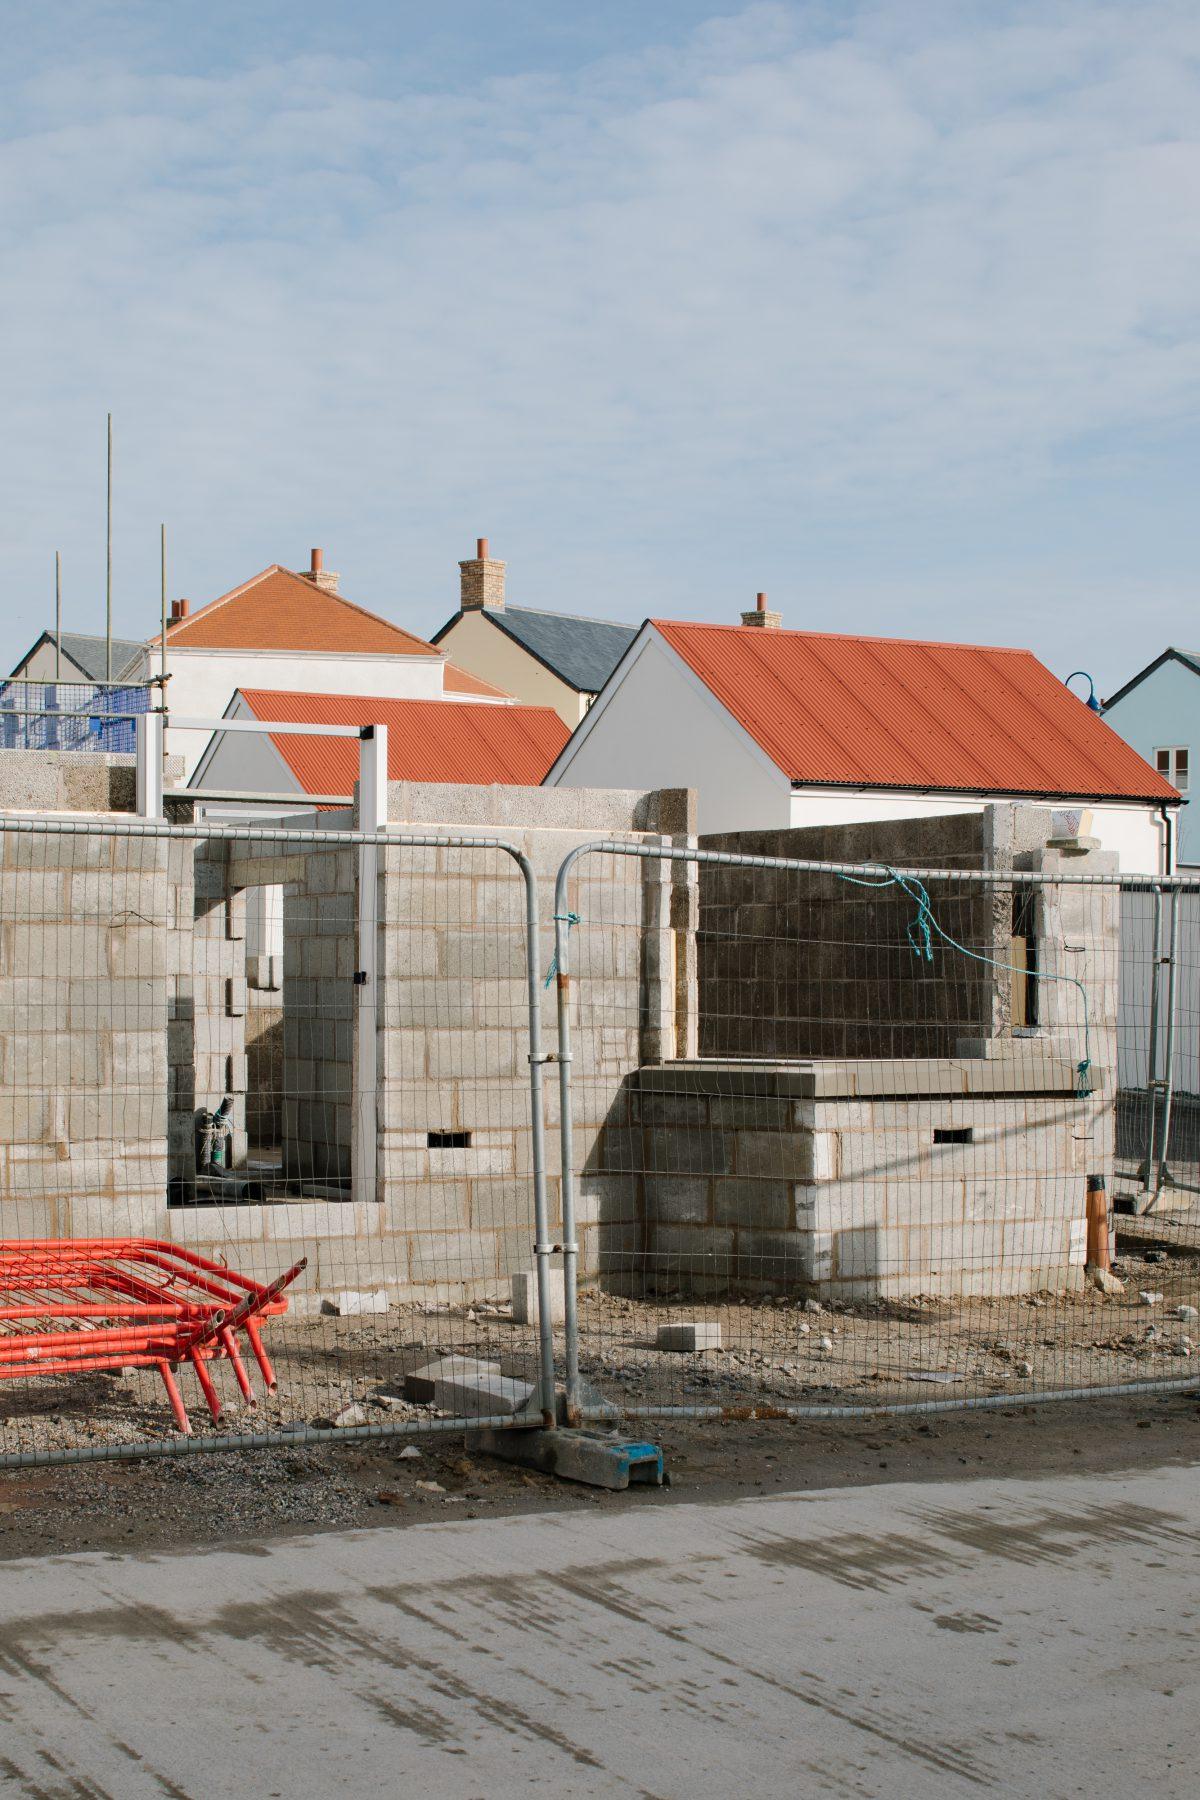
(570, 1246)
(1161, 1169)
(1147, 1170)
(982, 1402)
(984, 877)
(543, 1248)
(254, 1440)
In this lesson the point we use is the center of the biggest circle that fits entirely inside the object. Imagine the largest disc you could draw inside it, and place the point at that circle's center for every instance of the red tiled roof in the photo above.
(461, 681)
(279, 610)
(428, 740)
(886, 712)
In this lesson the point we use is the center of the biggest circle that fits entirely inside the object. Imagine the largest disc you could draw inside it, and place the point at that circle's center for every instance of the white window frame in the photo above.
(1172, 754)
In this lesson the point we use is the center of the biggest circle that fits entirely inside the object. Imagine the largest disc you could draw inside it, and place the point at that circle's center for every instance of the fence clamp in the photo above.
(555, 1249)
(549, 1056)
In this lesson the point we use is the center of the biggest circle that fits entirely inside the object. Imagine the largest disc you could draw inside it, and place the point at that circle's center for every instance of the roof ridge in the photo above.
(177, 628)
(544, 612)
(211, 606)
(845, 637)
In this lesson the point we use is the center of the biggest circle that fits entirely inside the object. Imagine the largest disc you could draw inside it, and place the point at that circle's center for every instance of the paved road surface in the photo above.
(1022, 1638)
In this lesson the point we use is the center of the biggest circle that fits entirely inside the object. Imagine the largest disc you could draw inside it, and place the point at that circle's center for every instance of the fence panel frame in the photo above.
(577, 1405)
(367, 844)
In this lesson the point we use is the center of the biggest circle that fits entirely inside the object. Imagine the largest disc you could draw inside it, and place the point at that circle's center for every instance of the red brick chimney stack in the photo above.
(762, 616)
(317, 573)
(179, 609)
(481, 580)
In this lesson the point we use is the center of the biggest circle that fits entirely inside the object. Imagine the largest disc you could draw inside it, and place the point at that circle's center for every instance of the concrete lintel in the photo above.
(1040, 1071)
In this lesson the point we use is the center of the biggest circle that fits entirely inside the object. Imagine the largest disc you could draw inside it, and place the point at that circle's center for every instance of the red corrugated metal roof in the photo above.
(886, 712)
(428, 740)
(280, 610)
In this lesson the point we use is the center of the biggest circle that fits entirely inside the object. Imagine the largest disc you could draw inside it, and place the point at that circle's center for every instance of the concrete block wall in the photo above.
(807, 965)
(85, 930)
(319, 960)
(831, 1180)
(451, 1016)
(455, 1163)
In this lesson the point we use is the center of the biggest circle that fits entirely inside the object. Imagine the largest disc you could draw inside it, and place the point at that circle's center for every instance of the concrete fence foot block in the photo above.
(587, 1456)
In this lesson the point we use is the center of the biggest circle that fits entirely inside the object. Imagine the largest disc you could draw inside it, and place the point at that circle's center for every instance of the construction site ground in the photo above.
(227, 1498)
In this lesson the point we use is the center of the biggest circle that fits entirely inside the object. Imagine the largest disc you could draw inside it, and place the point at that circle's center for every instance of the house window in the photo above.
(1173, 763)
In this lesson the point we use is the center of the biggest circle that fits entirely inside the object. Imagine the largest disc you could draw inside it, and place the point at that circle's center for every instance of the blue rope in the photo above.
(567, 919)
(922, 928)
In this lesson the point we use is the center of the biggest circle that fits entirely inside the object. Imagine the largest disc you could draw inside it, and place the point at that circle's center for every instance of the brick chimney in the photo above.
(768, 621)
(317, 573)
(179, 610)
(481, 581)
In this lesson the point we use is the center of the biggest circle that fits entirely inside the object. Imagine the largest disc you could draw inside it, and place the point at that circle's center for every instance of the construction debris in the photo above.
(694, 1334)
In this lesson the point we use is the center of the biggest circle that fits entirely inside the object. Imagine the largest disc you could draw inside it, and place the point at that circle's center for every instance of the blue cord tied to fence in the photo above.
(923, 927)
(567, 919)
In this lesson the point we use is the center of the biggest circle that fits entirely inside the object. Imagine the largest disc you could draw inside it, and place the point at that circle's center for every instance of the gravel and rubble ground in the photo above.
(226, 1499)
(798, 1352)
(773, 1355)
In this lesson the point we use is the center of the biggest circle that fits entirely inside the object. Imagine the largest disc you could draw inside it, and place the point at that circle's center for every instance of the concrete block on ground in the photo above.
(525, 1297)
(352, 1302)
(419, 1384)
(463, 1384)
(695, 1334)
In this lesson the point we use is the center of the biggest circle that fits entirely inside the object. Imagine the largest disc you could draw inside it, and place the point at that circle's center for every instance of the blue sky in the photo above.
(891, 310)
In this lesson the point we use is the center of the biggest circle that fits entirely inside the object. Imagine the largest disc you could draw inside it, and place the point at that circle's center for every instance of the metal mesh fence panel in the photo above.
(71, 715)
(266, 1143)
(874, 1146)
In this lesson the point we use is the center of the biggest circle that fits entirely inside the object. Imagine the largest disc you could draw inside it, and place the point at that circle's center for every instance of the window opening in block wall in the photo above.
(1024, 959)
(448, 1140)
(958, 1134)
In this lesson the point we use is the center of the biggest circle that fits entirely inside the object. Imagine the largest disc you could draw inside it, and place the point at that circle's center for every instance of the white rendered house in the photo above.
(778, 729)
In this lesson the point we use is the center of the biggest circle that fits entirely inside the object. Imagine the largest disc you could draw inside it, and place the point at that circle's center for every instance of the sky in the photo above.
(889, 310)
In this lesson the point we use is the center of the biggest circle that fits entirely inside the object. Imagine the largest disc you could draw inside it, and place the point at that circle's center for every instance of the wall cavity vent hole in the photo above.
(964, 1134)
(448, 1140)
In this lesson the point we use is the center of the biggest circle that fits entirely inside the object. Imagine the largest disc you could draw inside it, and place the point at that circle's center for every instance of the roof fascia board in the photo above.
(352, 656)
(1168, 655)
(47, 638)
(1001, 796)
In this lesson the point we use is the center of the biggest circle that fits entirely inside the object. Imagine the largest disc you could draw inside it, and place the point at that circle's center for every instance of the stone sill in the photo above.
(899, 1078)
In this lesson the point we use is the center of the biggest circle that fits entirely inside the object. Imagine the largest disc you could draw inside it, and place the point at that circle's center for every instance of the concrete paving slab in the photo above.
(1025, 1638)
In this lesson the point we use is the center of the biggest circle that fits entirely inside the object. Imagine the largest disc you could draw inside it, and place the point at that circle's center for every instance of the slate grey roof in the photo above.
(88, 653)
(583, 652)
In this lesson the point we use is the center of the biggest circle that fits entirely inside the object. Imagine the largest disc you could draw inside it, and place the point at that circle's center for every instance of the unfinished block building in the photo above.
(773, 1090)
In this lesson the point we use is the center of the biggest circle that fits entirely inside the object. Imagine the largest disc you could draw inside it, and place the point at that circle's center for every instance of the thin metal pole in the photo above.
(543, 1247)
(1162, 1171)
(108, 568)
(570, 1246)
(57, 616)
(1147, 1168)
(162, 566)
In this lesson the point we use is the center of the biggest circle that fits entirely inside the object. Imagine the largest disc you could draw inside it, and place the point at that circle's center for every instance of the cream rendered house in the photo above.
(541, 658)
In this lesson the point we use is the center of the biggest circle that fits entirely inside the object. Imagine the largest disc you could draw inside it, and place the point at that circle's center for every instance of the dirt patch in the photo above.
(241, 1497)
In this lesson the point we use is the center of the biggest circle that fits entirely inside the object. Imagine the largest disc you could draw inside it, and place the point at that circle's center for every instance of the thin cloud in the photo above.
(685, 297)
